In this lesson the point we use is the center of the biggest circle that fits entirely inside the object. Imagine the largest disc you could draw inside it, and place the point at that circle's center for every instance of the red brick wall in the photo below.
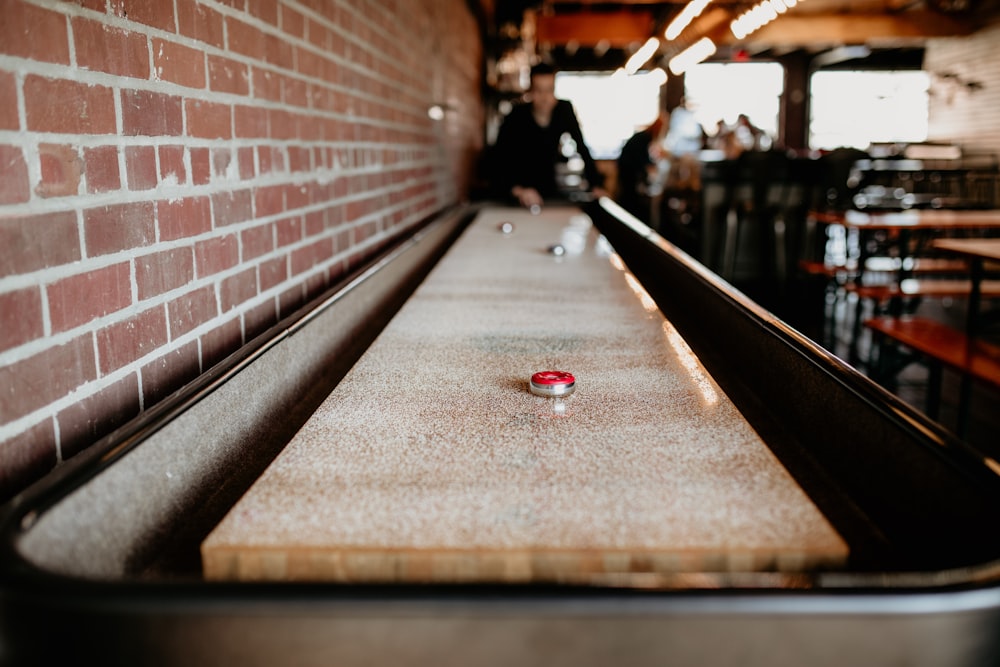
(176, 176)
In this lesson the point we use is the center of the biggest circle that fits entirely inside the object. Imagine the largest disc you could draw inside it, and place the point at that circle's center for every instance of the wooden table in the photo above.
(977, 251)
(432, 462)
(940, 219)
(931, 222)
(938, 222)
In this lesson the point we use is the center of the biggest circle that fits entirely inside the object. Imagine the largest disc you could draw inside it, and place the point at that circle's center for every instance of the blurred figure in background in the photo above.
(641, 168)
(749, 136)
(724, 140)
(742, 137)
(531, 143)
(685, 140)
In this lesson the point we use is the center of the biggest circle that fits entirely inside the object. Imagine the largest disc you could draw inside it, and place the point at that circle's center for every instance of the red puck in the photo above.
(552, 383)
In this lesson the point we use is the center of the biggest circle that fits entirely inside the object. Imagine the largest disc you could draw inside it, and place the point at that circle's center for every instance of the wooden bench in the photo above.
(843, 280)
(933, 288)
(939, 345)
(916, 265)
(818, 268)
(898, 299)
(921, 265)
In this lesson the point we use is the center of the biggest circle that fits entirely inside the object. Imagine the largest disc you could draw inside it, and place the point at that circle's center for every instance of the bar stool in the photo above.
(757, 195)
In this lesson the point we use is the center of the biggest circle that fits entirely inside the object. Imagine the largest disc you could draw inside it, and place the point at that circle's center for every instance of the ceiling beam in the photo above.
(617, 29)
(713, 20)
(599, 2)
(819, 30)
(622, 29)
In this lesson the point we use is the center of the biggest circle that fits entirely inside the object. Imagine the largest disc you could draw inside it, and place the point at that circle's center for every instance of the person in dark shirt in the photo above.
(637, 166)
(529, 143)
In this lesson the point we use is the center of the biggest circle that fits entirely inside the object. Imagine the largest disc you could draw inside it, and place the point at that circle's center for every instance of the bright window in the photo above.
(861, 108)
(611, 107)
(723, 91)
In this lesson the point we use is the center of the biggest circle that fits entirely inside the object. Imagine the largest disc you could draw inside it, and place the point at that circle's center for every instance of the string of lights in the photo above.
(746, 23)
(759, 15)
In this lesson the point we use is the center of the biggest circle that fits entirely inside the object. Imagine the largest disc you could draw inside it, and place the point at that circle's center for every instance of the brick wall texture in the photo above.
(177, 175)
(959, 112)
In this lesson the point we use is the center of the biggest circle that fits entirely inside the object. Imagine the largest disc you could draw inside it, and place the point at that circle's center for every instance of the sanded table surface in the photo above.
(432, 461)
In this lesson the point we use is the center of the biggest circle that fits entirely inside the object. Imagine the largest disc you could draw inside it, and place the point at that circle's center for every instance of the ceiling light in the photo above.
(692, 55)
(640, 57)
(688, 14)
(759, 15)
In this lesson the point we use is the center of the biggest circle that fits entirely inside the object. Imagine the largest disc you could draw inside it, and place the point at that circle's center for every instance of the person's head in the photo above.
(543, 88)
